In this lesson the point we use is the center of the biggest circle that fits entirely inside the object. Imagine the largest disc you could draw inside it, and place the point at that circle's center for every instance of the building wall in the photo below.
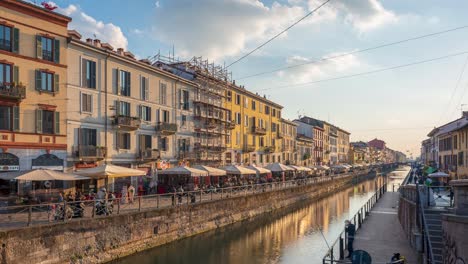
(343, 146)
(326, 143)
(288, 144)
(27, 141)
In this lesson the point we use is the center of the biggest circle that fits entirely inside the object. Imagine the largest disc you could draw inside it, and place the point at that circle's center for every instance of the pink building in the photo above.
(318, 145)
(377, 144)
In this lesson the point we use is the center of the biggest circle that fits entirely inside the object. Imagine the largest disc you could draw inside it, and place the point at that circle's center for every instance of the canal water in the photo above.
(292, 235)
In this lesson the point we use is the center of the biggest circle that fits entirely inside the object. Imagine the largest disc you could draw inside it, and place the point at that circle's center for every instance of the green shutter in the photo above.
(39, 121)
(15, 40)
(39, 47)
(15, 118)
(117, 108)
(57, 51)
(57, 122)
(56, 82)
(38, 80)
(16, 74)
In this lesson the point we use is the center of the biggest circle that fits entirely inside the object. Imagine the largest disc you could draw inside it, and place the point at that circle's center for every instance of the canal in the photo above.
(292, 235)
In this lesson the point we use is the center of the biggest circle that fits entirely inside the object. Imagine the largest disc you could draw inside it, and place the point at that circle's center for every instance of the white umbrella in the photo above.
(438, 175)
(211, 171)
(183, 170)
(41, 175)
(110, 171)
(260, 170)
(278, 167)
(298, 168)
(236, 169)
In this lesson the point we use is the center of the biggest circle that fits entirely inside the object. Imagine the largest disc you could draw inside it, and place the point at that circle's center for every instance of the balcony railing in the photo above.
(127, 122)
(187, 155)
(279, 134)
(269, 149)
(249, 148)
(166, 128)
(259, 130)
(231, 125)
(149, 154)
(89, 152)
(12, 91)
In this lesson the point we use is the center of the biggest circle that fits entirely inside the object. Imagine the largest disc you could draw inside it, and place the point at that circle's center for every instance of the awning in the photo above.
(278, 167)
(430, 170)
(183, 170)
(438, 175)
(260, 170)
(236, 169)
(299, 168)
(211, 171)
(41, 175)
(110, 171)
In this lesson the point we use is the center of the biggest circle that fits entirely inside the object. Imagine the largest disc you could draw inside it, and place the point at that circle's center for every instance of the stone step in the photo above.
(435, 239)
(434, 227)
(433, 216)
(435, 233)
(438, 259)
(437, 245)
(434, 211)
(434, 222)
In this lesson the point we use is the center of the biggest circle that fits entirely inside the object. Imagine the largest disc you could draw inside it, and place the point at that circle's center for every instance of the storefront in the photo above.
(8, 162)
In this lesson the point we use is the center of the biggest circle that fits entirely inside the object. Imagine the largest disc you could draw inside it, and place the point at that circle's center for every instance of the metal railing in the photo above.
(423, 224)
(11, 90)
(358, 219)
(46, 213)
(128, 121)
(84, 151)
(166, 128)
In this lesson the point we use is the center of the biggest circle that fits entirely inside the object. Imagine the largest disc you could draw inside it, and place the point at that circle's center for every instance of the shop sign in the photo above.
(9, 168)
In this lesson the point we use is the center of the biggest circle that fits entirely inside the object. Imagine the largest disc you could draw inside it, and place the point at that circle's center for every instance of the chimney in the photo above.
(120, 51)
(89, 41)
(97, 43)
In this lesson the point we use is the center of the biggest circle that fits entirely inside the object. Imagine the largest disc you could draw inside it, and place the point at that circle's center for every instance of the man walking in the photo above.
(350, 230)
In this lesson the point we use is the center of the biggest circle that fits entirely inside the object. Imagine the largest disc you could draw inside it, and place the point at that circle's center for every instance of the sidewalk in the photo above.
(382, 234)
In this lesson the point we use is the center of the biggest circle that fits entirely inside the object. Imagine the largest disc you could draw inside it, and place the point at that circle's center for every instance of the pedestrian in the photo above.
(131, 193)
(350, 230)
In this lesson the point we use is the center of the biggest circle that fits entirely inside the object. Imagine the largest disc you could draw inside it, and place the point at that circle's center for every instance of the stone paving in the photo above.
(382, 235)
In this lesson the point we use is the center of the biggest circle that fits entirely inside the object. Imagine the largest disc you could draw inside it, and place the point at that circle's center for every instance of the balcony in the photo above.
(149, 154)
(13, 91)
(186, 155)
(269, 149)
(166, 128)
(127, 123)
(279, 134)
(249, 148)
(231, 125)
(89, 152)
(259, 130)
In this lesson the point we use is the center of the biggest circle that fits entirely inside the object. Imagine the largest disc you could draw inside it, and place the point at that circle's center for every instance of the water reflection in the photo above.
(289, 236)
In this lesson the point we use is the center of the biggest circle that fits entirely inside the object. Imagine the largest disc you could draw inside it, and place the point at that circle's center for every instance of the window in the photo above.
(238, 118)
(48, 49)
(86, 103)
(144, 92)
(162, 93)
(228, 139)
(123, 108)
(145, 142)
(273, 127)
(47, 81)
(88, 74)
(238, 99)
(145, 113)
(47, 122)
(184, 100)
(246, 120)
(183, 120)
(238, 138)
(9, 118)
(87, 137)
(260, 108)
(267, 110)
(5, 73)
(124, 83)
(273, 142)
(165, 116)
(229, 96)
(228, 115)
(163, 143)
(246, 102)
(260, 123)
(9, 38)
(253, 105)
(123, 140)
(274, 112)
(262, 141)
(184, 145)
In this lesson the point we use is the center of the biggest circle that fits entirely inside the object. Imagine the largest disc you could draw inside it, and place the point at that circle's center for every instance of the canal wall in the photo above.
(104, 239)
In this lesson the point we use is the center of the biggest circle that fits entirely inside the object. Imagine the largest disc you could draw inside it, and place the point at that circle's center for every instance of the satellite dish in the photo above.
(361, 257)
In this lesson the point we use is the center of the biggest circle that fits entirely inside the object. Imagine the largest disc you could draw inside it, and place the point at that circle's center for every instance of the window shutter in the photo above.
(149, 114)
(89, 103)
(139, 109)
(127, 79)
(83, 72)
(57, 122)
(117, 108)
(57, 51)
(15, 40)
(38, 80)
(15, 118)
(39, 121)
(16, 74)
(187, 144)
(147, 89)
(158, 117)
(115, 81)
(56, 83)
(93, 75)
(39, 47)
(81, 102)
(180, 99)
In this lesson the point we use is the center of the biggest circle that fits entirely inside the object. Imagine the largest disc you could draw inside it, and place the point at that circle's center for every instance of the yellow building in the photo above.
(326, 143)
(255, 138)
(33, 74)
(462, 152)
(288, 134)
(343, 146)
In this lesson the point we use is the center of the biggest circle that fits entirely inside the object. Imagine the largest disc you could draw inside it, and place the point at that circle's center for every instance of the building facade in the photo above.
(288, 134)
(33, 98)
(305, 148)
(343, 145)
(318, 145)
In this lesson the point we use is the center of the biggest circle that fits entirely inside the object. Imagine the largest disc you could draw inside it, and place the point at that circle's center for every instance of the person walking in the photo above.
(350, 230)
(131, 193)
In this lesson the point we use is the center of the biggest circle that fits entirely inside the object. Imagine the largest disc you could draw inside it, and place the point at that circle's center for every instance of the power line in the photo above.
(353, 52)
(279, 34)
(369, 72)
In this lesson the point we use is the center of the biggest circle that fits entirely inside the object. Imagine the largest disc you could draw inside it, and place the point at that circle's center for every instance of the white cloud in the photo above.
(319, 70)
(89, 26)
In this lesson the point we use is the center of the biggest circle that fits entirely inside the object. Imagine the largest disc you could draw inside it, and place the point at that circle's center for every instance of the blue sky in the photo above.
(399, 106)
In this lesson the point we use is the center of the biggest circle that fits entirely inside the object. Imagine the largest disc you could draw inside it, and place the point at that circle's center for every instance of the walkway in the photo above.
(382, 235)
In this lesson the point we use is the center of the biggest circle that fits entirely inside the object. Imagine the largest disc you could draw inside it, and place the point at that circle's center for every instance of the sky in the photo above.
(399, 105)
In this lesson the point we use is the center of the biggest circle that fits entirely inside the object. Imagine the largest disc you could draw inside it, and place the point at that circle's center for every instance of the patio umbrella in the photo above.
(110, 171)
(211, 171)
(184, 170)
(438, 175)
(259, 170)
(278, 167)
(41, 175)
(236, 169)
(297, 168)
(430, 170)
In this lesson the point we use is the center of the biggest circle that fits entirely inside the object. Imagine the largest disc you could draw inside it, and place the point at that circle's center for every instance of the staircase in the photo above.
(434, 224)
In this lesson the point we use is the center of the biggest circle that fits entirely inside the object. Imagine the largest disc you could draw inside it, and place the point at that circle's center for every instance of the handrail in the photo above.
(424, 226)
